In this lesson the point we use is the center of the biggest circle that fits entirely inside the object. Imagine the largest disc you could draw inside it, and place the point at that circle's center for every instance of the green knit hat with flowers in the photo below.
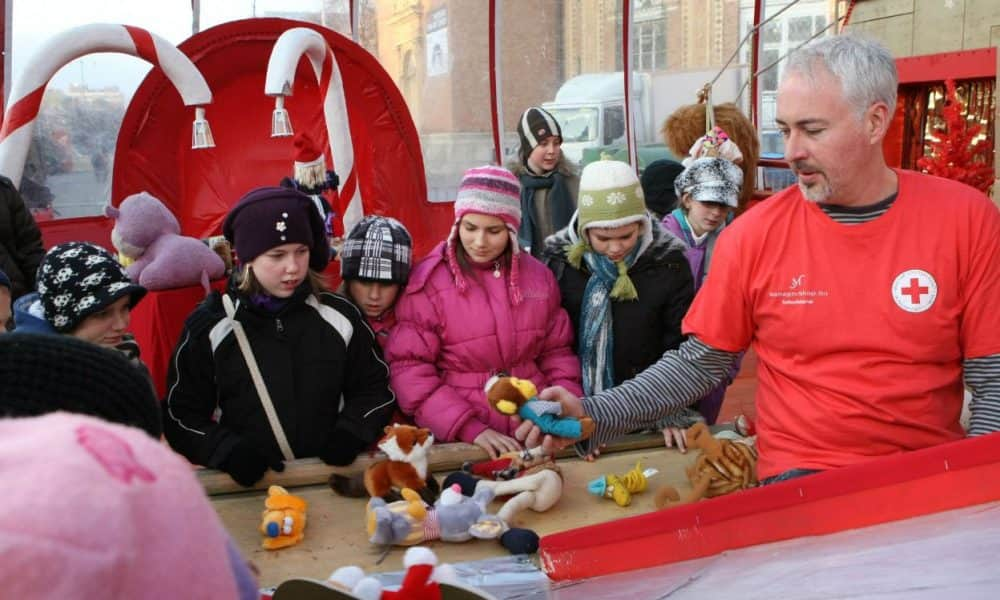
(610, 196)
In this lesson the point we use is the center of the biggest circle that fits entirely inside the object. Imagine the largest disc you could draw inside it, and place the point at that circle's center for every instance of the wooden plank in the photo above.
(335, 534)
(441, 457)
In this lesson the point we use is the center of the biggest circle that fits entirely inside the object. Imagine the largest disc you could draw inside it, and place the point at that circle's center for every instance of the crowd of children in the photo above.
(277, 367)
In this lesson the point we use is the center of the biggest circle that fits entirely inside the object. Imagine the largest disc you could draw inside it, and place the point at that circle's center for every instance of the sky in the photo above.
(34, 22)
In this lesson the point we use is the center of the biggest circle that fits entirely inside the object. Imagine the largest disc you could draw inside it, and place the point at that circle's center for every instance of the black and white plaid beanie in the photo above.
(536, 124)
(77, 279)
(44, 373)
(377, 249)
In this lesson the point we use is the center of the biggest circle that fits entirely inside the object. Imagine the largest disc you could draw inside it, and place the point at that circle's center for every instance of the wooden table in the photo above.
(335, 534)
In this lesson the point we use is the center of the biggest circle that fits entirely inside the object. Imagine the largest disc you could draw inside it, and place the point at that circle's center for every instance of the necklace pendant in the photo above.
(496, 270)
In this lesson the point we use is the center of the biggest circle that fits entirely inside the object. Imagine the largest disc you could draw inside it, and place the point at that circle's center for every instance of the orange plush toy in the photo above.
(687, 125)
(724, 466)
(406, 447)
(283, 522)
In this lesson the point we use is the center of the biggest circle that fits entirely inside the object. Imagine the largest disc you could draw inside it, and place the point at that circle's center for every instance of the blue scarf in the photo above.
(561, 205)
(597, 343)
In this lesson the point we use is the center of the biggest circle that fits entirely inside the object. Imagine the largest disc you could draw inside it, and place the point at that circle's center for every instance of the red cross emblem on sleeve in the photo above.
(914, 290)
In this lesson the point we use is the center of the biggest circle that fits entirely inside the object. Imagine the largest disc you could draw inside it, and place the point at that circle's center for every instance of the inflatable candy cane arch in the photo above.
(28, 88)
(280, 78)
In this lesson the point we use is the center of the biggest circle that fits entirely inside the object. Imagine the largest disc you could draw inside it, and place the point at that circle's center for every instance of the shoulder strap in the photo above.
(258, 381)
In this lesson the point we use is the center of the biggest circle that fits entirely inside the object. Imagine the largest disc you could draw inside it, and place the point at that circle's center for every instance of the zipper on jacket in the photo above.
(279, 325)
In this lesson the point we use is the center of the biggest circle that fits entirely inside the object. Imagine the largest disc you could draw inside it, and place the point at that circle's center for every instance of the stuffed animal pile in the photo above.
(425, 579)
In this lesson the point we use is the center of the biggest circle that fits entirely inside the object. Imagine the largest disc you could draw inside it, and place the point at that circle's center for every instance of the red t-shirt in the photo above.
(861, 329)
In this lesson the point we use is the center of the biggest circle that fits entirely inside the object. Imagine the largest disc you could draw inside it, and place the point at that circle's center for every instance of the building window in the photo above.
(650, 47)
(800, 29)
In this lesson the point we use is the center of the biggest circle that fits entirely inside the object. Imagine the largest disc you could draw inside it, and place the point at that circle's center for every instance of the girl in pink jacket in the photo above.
(474, 307)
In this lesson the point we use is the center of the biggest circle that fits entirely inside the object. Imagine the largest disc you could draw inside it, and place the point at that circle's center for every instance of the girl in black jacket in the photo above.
(318, 359)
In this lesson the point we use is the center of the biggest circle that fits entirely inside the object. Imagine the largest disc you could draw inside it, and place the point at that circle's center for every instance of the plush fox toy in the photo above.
(406, 448)
(510, 395)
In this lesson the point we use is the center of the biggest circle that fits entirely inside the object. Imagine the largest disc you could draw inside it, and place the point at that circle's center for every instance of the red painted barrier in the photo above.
(892, 488)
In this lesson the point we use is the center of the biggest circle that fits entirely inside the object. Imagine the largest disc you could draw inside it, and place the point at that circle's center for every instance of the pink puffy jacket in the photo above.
(447, 344)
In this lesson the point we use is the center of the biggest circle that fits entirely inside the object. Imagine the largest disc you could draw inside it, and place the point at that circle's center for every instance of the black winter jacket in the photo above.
(320, 363)
(20, 241)
(645, 328)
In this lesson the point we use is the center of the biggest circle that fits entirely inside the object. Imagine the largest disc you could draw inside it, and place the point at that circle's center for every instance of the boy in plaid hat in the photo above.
(315, 354)
(622, 277)
(548, 181)
(375, 264)
(475, 306)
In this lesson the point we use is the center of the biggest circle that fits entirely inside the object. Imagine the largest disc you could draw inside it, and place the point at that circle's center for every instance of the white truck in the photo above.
(590, 108)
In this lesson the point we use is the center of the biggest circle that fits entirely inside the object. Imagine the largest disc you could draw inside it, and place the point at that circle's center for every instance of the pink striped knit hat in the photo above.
(496, 192)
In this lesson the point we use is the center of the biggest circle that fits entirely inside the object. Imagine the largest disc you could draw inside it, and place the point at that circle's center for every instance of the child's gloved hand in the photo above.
(342, 449)
(246, 465)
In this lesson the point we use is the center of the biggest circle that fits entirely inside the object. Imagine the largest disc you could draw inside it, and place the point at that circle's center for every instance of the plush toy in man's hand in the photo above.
(510, 395)
(148, 235)
(283, 521)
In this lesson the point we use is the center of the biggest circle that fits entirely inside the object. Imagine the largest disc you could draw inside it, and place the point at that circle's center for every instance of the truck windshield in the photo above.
(578, 124)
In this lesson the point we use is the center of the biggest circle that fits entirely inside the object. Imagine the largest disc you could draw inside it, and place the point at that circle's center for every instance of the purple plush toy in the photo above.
(148, 234)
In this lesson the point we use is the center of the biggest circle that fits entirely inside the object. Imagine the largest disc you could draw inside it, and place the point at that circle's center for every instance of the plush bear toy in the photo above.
(147, 234)
(510, 395)
(686, 125)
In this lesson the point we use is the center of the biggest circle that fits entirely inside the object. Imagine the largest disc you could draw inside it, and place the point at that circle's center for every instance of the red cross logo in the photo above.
(914, 290)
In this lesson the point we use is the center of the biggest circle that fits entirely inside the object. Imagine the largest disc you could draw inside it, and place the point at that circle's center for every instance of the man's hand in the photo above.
(572, 406)
(532, 436)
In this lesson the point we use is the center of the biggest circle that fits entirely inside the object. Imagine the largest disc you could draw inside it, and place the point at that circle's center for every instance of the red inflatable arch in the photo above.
(154, 145)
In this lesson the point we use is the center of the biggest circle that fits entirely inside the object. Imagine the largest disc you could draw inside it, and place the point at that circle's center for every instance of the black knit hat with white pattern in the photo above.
(377, 249)
(78, 279)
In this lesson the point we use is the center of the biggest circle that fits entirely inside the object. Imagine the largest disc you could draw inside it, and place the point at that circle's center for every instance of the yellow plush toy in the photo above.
(283, 521)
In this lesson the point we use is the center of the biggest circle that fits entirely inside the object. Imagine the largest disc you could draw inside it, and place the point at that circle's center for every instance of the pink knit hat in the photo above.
(97, 510)
(496, 192)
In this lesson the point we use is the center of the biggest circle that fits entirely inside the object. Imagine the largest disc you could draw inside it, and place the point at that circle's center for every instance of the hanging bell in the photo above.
(281, 125)
(201, 135)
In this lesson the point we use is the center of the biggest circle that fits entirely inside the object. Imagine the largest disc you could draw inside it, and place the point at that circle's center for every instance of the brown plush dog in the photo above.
(686, 124)
(724, 466)
(513, 396)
